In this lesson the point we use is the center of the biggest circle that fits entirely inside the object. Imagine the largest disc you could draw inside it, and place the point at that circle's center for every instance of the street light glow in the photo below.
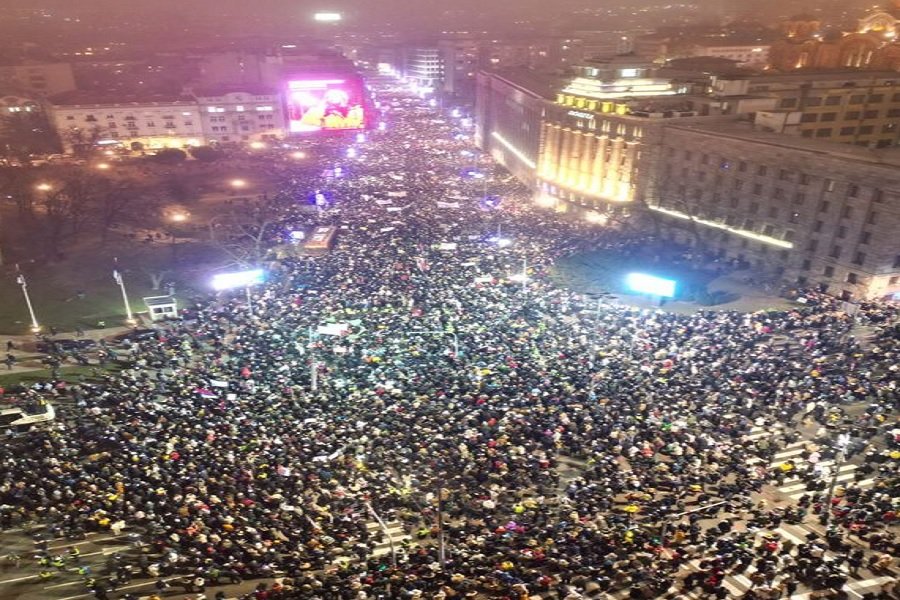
(328, 17)
(44, 187)
(298, 155)
(238, 183)
(103, 166)
(257, 145)
(227, 281)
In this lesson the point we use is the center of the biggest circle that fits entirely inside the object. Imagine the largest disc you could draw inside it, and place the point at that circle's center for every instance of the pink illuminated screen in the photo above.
(314, 105)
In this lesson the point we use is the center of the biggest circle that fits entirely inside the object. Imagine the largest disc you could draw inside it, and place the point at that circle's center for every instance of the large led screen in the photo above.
(317, 104)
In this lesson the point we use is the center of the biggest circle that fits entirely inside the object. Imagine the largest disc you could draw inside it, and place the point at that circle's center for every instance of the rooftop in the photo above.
(888, 157)
(538, 83)
(82, 97)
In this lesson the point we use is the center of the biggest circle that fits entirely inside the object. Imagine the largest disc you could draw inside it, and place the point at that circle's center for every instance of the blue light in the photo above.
(227, 281)
(648, 284)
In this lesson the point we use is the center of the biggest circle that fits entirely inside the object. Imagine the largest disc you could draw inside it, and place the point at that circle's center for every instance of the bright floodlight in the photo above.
(351, 152)
(360, 138)
(227, 281)
(327, 17)
(503, 242)
(648, 284)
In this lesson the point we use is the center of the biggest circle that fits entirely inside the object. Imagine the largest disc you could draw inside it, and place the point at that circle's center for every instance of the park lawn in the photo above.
(54, 287)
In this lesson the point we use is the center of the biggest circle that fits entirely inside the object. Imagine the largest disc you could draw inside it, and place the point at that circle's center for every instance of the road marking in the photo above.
(5, 581)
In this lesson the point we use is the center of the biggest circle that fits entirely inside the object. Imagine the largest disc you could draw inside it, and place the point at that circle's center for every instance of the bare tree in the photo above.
(119, 200)
(244, 235)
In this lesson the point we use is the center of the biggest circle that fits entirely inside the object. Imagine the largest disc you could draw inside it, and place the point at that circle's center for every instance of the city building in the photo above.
(852, 107)
(424, 69)
(37, 79)
(240, 114)
(803, 209)
(874, 45)
(83, 121)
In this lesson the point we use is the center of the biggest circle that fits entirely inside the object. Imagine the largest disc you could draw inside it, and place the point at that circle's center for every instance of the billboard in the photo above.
(324, 104)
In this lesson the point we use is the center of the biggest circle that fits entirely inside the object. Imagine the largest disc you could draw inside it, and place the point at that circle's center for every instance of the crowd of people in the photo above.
(251, 443)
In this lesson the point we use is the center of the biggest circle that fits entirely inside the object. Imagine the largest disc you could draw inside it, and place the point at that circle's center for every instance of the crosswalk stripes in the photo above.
(395, 531)
(793, 486)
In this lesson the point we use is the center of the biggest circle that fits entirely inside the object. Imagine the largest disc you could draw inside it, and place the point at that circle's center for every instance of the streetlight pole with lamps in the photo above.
(20, 279)
(117, 276)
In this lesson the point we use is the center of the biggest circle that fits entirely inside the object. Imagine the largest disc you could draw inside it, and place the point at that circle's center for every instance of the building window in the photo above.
(856, 99)
(794, 218)
(812, 245)
(828, 272)
(753, 208)
(823, 133)
(847, 212)
(832, 100)
(807, 133)
(851, 278)
(824, 206)
(768, 230)
(842, 232)
(866, 129)
(853, 190)
(828, 117)
(805, 265)
(864, 237)
(788, 103)
(877, 196)
(870, 114)
(778, 193)
(829, 185)
(799, 198)
(761, 170)
(897, 262)
(789, 235)
(852, 115)
(773, 212)
(151, 124)
(757, 189)
(848, 130)
(835, 251)
(860, 258)
(742, 167)
(876, 98)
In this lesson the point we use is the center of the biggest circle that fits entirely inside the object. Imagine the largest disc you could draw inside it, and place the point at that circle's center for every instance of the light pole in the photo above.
(21, 281)
(842, 441)
(118, 278)
(387, 533)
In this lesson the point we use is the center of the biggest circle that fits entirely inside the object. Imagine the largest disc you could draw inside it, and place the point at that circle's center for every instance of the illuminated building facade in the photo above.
(149, 124)
(240, 115)
(874, 45)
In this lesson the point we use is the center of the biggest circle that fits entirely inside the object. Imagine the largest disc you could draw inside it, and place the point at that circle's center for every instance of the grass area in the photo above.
(71, 374)
(80, 291)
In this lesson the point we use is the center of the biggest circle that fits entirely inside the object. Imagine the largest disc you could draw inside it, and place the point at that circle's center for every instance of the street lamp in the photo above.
(843, 440)
(34, 324)
(103, 166)
(238, 183)
(298, 155)
(117, 276)
(43, 187)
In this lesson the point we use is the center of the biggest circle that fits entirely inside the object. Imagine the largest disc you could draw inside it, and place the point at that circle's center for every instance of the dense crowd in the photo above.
(247, 444)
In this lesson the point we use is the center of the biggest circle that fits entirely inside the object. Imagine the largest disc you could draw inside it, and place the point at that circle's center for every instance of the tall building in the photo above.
(425, 69)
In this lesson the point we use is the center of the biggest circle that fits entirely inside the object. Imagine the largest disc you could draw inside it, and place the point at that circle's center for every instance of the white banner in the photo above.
(333, 329)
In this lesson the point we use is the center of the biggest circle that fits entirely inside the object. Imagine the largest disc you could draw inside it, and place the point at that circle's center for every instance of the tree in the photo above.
(206, 153)
(244, 234)
(82, 140)
(115, 200)
(25, 133)
(170, 156)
